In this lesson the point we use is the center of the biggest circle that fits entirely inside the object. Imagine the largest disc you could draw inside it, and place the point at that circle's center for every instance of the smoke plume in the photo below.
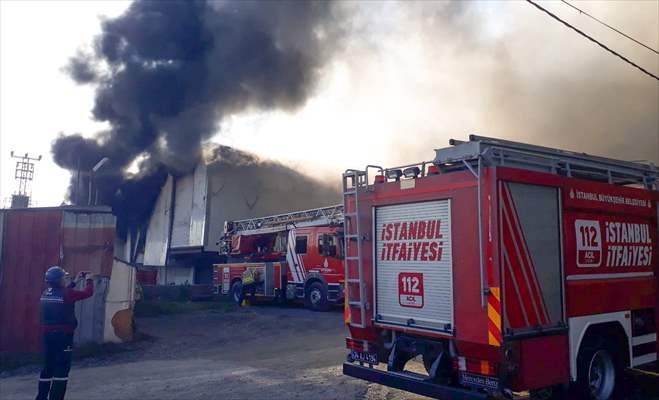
(166, 73)
(422, 72)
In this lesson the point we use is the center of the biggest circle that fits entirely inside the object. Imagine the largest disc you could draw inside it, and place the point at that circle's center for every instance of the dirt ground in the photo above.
(261, 352)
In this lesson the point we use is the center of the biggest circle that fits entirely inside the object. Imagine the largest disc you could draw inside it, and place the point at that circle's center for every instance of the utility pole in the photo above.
(94, 170)
(24, 173)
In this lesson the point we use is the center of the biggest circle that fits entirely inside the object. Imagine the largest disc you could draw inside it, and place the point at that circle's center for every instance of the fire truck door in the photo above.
(529, 220)
(269, 280)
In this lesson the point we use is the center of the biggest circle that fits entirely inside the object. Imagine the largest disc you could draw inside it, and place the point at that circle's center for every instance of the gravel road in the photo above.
(260, 352)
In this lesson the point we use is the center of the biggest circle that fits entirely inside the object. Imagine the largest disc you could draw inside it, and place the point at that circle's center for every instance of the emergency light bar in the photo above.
(411, 172)
(393, 174)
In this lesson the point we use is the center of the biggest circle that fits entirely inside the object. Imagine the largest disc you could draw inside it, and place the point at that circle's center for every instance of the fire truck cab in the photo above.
(298, 255)
(505, 267)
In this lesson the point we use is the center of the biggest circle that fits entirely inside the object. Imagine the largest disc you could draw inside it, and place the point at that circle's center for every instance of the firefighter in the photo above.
(251, 279)
(58, 322)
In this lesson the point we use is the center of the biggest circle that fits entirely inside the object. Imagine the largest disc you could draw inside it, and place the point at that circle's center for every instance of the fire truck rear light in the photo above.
(379, 179)
(481, 367)
(433, 170)
(393, 174)
(357, 345)
(411, 172)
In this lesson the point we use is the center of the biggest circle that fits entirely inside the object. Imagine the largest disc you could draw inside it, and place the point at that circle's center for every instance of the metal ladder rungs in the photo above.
(359, 180)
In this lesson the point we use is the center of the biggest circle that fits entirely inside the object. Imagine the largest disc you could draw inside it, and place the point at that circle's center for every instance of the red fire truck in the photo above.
(298, 255)
(505, 267)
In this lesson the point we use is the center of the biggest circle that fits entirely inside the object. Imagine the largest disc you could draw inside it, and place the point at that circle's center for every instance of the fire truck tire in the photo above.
(428, 358)
(443, 374)
(237, 292)
(315, 297)
(599, 370)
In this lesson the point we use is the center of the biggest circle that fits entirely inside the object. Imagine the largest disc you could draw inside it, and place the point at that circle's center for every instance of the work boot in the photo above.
(58, 389)
(44, 388)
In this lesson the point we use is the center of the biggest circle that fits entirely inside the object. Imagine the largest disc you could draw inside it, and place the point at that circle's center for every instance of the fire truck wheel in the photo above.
(237, 292)
(428, 358)
(443, 373)
(598, 370)
(315, 297)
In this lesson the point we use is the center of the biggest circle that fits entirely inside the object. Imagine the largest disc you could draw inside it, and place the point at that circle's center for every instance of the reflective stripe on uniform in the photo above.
(52, 300)
(61, 379)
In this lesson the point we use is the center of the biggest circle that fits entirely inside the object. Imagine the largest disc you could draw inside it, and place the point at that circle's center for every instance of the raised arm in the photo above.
(73, 295)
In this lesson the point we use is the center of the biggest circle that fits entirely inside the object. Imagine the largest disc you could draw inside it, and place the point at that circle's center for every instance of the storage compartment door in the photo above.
(413, 265)
(531, 256)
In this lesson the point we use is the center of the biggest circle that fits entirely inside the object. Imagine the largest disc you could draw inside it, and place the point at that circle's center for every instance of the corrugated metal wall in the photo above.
(31, 243)
(157, 235)
(91, 313)
(88, 242)
(33, 240)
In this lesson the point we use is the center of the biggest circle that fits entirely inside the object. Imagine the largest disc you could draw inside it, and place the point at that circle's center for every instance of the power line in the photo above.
(602, 45)
(612, 28)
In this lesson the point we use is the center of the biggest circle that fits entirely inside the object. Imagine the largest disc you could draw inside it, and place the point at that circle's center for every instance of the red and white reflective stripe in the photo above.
(481, 367)
(295, 263)
(519, 269)
(494, 336)
(462, 364)
(359, 345)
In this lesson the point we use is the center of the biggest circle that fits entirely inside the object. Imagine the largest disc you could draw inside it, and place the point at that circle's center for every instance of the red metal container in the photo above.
(147, 277)
(33, 239)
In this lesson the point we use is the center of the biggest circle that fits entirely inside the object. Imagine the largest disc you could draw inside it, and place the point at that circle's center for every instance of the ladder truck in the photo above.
(505, 267)
(299, 256)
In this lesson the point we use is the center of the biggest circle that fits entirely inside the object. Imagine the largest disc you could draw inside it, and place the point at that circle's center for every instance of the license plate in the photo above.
(485, 382)
(364, 357)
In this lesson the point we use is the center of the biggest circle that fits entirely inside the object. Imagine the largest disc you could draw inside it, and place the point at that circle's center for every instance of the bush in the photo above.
(156, 308)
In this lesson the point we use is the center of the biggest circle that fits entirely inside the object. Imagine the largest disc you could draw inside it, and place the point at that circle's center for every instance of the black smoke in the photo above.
(166, 73)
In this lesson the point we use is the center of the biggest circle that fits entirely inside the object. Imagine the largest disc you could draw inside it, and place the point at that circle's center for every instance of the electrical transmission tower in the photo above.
(24, 175)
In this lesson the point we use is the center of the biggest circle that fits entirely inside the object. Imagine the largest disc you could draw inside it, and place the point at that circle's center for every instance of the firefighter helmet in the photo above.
(54, 274)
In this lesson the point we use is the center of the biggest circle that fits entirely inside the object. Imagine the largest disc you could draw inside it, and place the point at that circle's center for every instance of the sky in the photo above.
(406, 78)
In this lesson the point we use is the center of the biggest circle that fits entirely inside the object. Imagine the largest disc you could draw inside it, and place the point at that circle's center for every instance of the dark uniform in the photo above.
(58, 323)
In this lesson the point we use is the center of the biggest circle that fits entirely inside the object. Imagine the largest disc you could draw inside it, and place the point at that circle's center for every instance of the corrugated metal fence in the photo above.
(78, 239)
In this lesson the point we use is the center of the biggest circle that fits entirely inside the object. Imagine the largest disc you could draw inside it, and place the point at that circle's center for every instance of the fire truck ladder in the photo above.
(332, 215)
(315, 217)
(355, 291)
